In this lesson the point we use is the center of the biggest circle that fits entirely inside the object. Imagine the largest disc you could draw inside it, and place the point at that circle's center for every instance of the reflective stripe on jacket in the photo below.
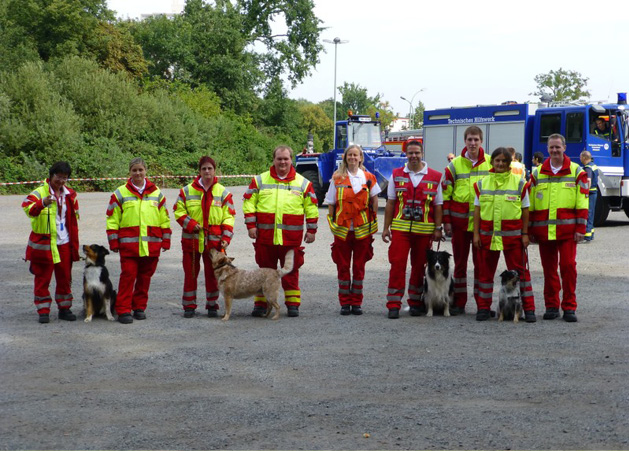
(138, 224)
(42, 242)
(458, 189)
(559, 202)
(500, 197)
(213, 210)
(353, 209)
(276, 207)
(418, 200)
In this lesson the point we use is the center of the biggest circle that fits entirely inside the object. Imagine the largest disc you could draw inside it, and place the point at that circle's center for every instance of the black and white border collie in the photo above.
(99, 296)
(438, 283)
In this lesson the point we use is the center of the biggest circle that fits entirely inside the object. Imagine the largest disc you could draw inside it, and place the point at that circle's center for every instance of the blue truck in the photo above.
(356, 129)
(526, 127)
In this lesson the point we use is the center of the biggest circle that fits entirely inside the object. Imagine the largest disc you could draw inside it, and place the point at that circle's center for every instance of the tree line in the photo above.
(77, 84)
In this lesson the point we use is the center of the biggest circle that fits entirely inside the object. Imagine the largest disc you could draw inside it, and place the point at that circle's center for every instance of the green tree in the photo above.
(356, 99)
(385, 113)
(59, 28)
(418, 116)
(561, 85)
(314, 120)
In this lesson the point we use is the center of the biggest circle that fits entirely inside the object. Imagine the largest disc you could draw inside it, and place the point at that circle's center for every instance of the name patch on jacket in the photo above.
(295, 192)
(570, 185)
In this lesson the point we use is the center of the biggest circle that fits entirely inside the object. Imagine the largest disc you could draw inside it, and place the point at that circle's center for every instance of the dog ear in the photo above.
(105, 251)
(231, 259)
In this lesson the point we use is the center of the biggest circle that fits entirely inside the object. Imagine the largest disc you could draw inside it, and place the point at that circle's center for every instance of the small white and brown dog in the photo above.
(438, 283)
(510, 302)
(99, 296)
(236, 283)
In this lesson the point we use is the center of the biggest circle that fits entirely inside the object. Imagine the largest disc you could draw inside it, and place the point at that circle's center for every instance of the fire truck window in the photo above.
(549, 124)
(341, 136)
(574, 127)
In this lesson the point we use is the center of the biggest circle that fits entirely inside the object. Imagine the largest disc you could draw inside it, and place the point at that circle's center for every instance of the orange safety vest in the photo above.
(500, 197)
(213, 210)
(458, 189)
(353, 209)
(416, 200)
(138, 224)
(42, 242)
(559, 202)
(276, 207)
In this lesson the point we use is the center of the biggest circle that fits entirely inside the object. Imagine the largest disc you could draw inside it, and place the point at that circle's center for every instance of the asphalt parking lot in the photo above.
(320, 381)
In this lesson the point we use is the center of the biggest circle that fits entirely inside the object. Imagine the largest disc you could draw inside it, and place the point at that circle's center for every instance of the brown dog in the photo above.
(237, 283)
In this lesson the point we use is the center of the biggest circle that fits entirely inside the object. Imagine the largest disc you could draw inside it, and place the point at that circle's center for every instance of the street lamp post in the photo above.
(336, 42)
(410, 106)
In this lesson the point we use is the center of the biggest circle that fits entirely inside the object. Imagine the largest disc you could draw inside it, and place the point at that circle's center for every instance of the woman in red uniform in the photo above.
(138, 227)
(205, 211)
(501, 220)
(352, 206)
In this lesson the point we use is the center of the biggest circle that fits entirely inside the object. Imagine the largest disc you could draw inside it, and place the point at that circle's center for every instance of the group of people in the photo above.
(478, 202)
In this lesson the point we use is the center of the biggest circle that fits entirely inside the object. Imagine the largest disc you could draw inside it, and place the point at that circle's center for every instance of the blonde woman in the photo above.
(352, 201)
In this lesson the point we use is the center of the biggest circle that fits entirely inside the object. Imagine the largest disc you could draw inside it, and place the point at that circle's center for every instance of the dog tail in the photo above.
(289, 262)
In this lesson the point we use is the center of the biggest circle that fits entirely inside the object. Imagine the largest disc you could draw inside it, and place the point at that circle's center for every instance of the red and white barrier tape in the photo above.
(126, 178)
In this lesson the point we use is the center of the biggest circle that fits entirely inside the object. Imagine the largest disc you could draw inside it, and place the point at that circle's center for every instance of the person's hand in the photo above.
(253, 233)
(224, 244)
(525, 241)
(578, 237)
(310, 237)
(437, 235)
(115, 251)
(447, 227)
(197, 228)
(476, 241)
(48, 200)
(386, 235)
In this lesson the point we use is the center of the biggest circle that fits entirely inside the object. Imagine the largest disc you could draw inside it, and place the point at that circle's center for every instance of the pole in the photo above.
(336, 42)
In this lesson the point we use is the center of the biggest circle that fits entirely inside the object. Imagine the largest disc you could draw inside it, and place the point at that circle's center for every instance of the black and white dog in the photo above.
(438, 283)
(510, 302)
(99, 296)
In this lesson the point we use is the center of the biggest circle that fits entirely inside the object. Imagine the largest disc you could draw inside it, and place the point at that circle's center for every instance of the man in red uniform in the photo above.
(558, 219)
(275, 206)
(458, 211)
(412, 220)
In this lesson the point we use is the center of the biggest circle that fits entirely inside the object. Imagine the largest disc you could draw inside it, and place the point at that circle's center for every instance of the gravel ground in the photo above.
(320, 381)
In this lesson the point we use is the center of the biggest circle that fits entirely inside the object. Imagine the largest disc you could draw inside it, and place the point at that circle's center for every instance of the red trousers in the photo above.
(267, 256)
(401, 244)
(461, 242)
(63, 277)
(135, 280)
(515, 258)
(562, 254)
(191, 269)
(351, 284)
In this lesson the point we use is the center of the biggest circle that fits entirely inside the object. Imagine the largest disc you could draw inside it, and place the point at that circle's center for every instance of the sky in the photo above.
(456, 52)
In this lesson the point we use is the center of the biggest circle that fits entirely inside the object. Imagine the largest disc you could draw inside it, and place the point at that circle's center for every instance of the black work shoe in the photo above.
(551, 313)
(345, 310)
(530, 317)
(416, 311)
(293, 311)
(211, 313)
(125, 318)
(357, 310)
(258, 311)
(139, 315)
(454, 311)
(483, 315)
(569, 316)
(188, 313)
(394, 313)
(44, 318)
(67, 315)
